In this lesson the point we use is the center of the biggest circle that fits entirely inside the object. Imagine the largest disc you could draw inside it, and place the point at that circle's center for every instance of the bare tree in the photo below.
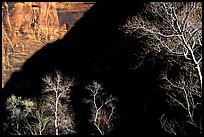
(176, 28)
(52, 114)
(29, 117)
(169, 125)
(41, 120)
(103, 108)
(185, 93)
(57, 91)
(180, 31)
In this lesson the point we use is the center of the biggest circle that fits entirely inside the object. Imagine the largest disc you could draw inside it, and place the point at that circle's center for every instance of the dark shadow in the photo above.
(94, 49)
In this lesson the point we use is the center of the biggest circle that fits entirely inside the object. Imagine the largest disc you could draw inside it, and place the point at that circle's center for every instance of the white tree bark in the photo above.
(103, 109)
(59, 87)
(177, 29)
(186, 30)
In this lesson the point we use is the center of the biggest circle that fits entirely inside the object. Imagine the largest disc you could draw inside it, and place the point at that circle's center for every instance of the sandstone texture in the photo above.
(28, 26)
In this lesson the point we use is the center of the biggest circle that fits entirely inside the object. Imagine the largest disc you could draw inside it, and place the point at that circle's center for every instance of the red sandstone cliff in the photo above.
(27, 26)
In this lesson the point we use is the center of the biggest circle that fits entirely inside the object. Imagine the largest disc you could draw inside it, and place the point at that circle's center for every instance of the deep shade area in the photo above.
(95, 49)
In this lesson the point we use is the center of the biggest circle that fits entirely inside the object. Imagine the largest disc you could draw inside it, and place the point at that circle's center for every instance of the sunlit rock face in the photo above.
(27, 34)
(16, 15)
(21, 13)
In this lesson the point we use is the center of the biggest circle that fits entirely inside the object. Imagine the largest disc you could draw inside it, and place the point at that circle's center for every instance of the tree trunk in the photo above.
(56, 112)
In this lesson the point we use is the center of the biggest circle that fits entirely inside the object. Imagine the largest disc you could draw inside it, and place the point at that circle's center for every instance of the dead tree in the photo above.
(176, 28)
(57, 89)
(103, 108)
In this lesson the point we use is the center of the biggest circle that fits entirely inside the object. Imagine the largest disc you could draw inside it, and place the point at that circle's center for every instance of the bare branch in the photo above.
(177, 30)
(103, 108)
(59, 87)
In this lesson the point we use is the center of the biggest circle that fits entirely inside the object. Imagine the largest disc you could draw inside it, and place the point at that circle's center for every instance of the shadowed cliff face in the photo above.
(95, 49)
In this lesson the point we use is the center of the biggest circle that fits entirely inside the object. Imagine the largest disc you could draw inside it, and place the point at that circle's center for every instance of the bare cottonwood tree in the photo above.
(51, 114)
(42, 118)
(56, 89)
(103, 108)
(29, 117)
(176, 29)
(183, 93)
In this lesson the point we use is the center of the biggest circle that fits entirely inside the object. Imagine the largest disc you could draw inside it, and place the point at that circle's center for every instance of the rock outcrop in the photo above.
(29, 20)
(16, 15)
